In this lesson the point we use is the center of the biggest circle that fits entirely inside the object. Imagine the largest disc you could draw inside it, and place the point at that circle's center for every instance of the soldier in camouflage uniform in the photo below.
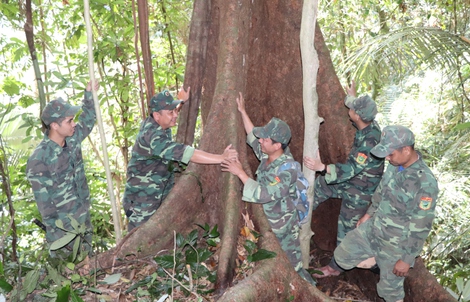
(150, 175)
(274, 190)
(57, 173)
(354, 181)
(397, 223)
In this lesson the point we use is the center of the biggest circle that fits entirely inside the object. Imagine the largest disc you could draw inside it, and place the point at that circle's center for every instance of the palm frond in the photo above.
(398, 54)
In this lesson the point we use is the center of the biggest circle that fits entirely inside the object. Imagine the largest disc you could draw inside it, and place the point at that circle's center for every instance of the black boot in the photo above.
(375, 269)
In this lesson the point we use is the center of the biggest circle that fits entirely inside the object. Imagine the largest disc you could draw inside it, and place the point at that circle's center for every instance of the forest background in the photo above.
(411, 56)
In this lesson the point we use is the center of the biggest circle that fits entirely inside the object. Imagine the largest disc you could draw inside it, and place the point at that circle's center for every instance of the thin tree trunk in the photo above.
(142, 11)
(109, 179)
(11, 210)
(43, 48)
(29, 32)
(137, 56)
(170, 40)
(195, 67)
(310, 66)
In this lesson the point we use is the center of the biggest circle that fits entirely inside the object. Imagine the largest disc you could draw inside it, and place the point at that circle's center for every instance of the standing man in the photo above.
(393, 231)
(150, 175)
(274, 189)
(354, 181)
(57, 173)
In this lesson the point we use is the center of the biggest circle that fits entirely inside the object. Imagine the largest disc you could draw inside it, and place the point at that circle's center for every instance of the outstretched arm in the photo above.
(202, 157)
(87, 119)
(246, 119)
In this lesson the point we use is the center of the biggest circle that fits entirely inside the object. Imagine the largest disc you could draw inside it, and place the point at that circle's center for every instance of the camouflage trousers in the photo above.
(353, 206)
(138, 213)
(290, 244)
(358, 246)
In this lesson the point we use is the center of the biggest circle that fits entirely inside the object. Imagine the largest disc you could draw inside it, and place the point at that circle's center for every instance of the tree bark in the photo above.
(312, 121)
(29, 32)
(252, 47)
(195, 68)
(422, 286)
(142, 11)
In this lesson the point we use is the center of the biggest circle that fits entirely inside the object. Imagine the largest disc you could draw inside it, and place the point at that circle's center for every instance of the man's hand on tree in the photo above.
(229, 153)
(351, 90)
(314, 164)
(95, 88)
(233, 166)
(183, 95)
(241, 103)
(401, 268)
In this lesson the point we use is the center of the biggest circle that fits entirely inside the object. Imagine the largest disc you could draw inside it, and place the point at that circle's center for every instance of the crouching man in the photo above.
(392, 232)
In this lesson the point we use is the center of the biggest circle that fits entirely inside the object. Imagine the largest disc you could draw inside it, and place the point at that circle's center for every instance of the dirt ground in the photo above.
(354, 285)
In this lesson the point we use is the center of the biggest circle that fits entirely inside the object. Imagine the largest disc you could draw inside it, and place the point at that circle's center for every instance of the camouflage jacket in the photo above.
(149, 173)
(272, 189)
(57, 176)
(402, 210)
(362, 170)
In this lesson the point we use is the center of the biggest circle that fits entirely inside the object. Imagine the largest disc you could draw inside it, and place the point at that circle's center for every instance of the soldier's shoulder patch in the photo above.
(361, 158)
(425, 203)
(276, 181)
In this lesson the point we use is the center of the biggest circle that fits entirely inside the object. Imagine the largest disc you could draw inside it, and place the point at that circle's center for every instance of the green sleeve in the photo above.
(87, 119)
(278, 188)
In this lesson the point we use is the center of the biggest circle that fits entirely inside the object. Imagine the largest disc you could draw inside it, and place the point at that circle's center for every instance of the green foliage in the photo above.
(184, 268)
(463, 290)
(391, 57)
(4, 285)
(58, 282)
(413, 59)
(60, 41)
(189, 267)
(255, 254)
(443, 133)
(211, 235)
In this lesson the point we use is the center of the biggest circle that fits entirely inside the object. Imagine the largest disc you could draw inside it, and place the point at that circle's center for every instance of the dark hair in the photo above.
(401, 148)
(58, 121)
(365, 121)
(283, 146)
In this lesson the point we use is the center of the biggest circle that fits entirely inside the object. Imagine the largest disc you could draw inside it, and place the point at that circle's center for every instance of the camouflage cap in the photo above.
(163, 101)
(276, 130)
(364, 106)
(393, 137)
(57, 109)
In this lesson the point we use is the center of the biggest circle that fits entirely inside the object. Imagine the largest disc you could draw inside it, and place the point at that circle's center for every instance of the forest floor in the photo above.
(355, 286)
(137, 280)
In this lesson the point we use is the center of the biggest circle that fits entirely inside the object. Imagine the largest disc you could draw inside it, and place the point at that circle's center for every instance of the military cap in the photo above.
(393, 138)
(163, 101)
(57, 109)
(276, 130)
(364, 106)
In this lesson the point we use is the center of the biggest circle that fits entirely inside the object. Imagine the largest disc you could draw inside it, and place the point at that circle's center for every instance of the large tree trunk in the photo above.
(252, 47)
